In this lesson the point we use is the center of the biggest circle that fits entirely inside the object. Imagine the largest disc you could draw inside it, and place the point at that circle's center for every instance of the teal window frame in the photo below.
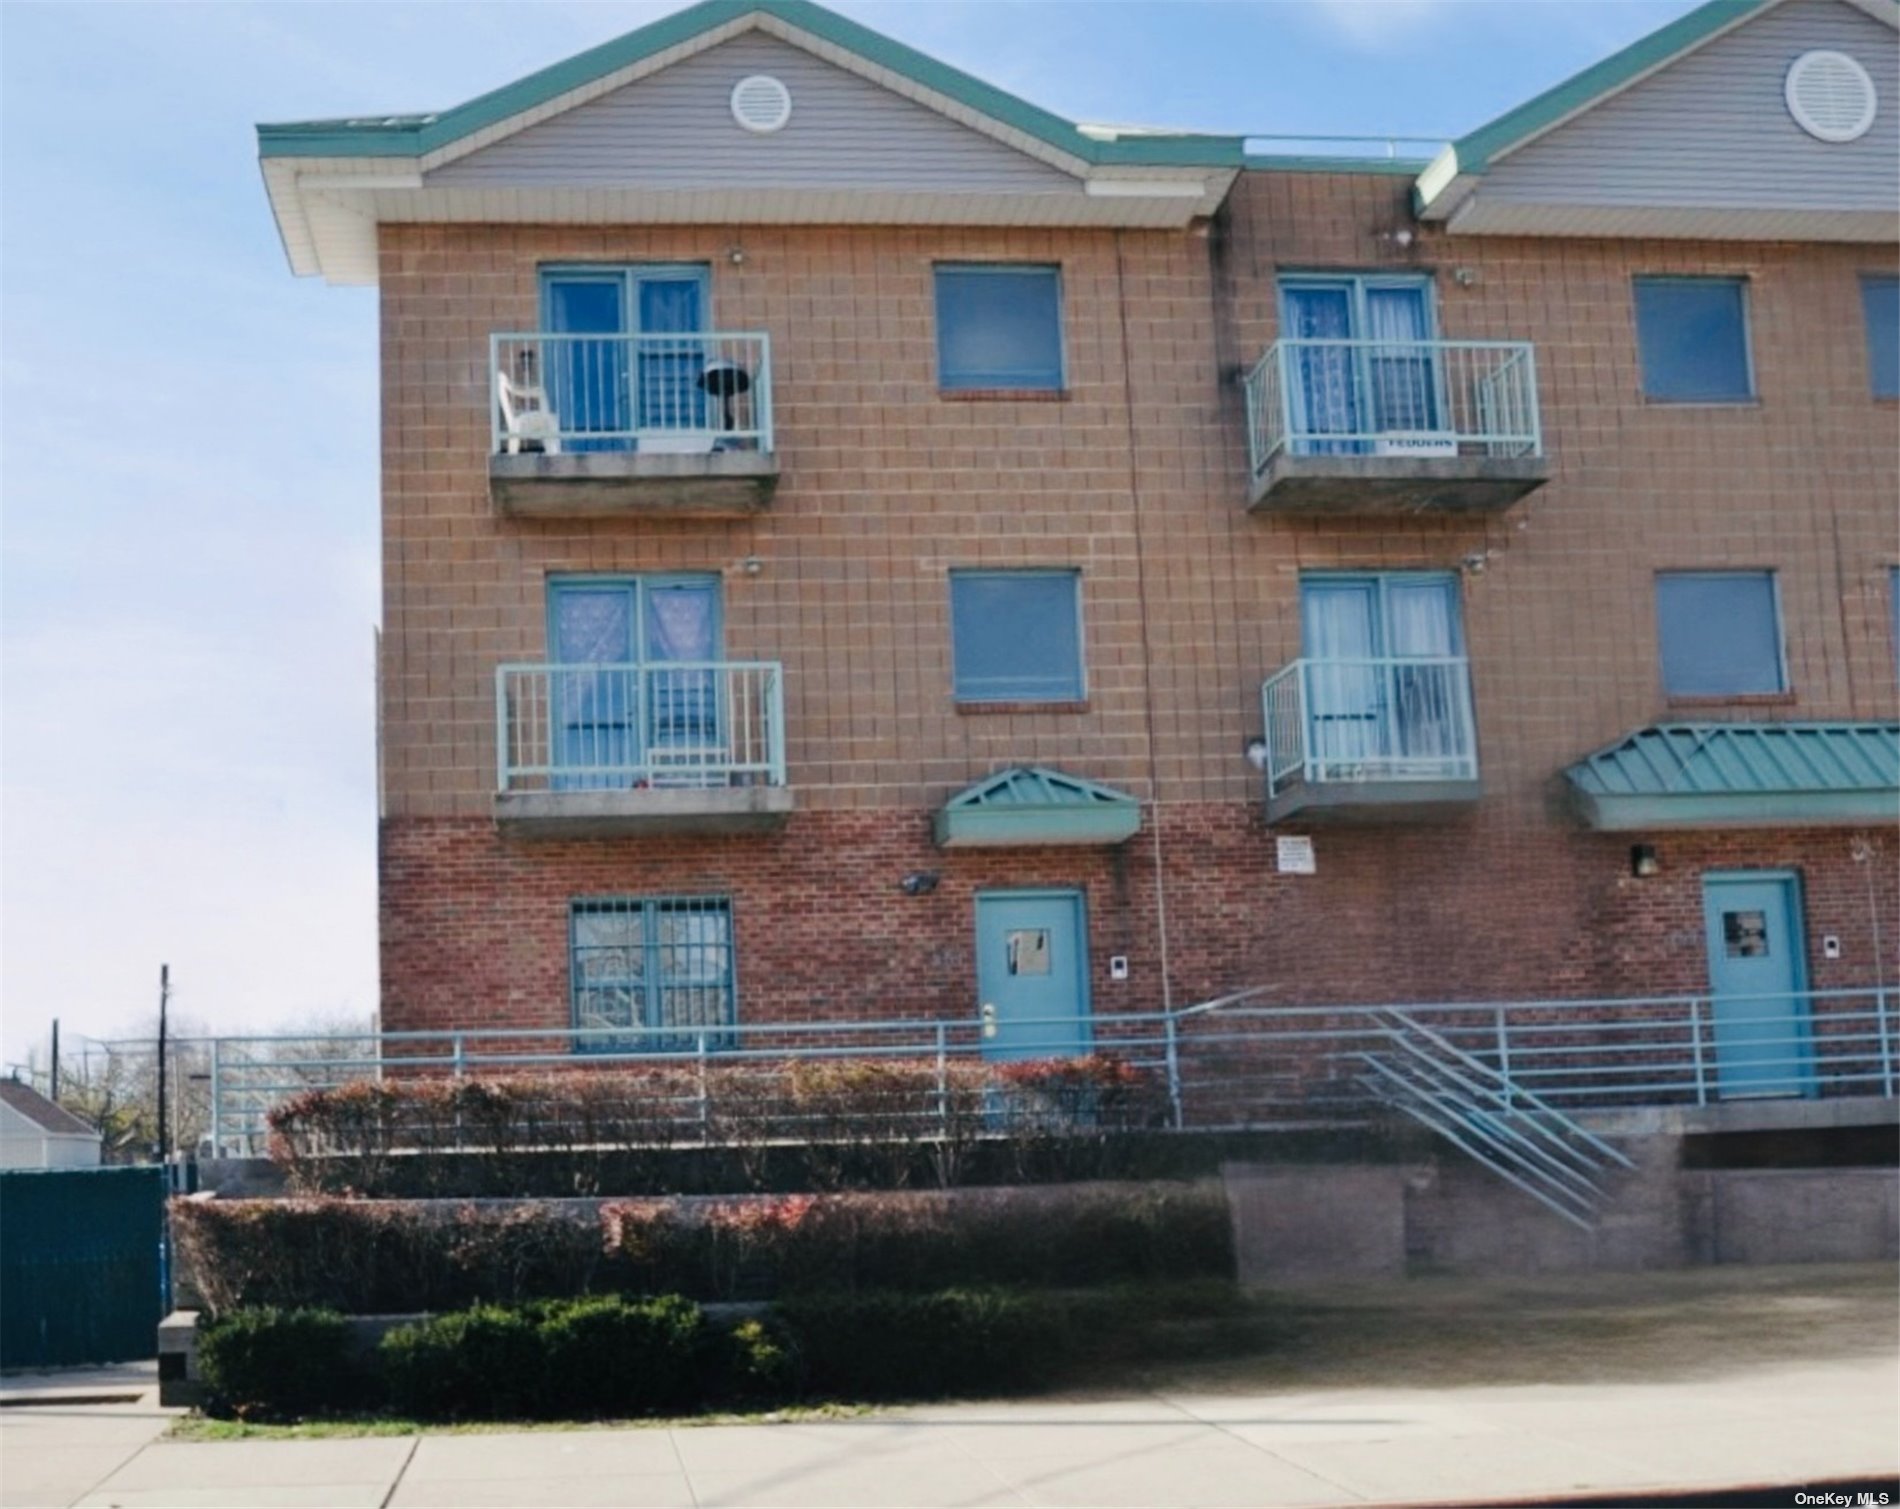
(1883, 332)
(1043, 379)
(629, 275)
(1062, 685)
(652, 983)
(1713, 689)
(1651, 351)
(638, 583)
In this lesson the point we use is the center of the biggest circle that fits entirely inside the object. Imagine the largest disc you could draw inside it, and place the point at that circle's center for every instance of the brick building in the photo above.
(858, 546)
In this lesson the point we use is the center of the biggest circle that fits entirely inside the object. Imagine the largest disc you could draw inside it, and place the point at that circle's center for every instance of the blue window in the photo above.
(999, 327)
(1720, 633)
(660, 963)
(608, 392)
(1361, 359)
(1017, 635)
(1880, 298)
(1692, 334)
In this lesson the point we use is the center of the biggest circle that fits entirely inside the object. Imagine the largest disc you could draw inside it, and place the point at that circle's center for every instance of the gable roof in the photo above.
(1032, 805)
(422, 135)
(1455, 172)
(331, 182)
(45, 1114)
(1719, 774)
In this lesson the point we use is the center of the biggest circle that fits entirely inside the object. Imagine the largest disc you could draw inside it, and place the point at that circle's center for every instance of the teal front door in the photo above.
(1032, 973)
(1758, 984)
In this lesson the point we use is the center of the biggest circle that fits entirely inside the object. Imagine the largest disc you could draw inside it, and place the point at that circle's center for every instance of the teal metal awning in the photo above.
(1725, 775)
(1031, 805)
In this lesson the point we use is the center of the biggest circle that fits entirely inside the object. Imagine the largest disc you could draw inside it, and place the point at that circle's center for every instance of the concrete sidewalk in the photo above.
(1784, 1424)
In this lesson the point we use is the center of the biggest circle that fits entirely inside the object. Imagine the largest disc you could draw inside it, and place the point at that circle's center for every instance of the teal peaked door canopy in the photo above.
(1029, 805)
(1732, 775)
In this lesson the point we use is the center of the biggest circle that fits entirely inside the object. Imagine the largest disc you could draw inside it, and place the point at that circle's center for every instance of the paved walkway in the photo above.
(1768, 1425)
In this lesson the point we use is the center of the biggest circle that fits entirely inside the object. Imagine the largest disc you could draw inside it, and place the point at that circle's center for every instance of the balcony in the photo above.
(631, 426)
(1384, 427)
(608, 751)
(1373, 740)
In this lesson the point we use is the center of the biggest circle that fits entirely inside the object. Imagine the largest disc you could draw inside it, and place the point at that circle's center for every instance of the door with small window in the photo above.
(629, 354)
(1385, 677)
(1032, 973)
(1758, 984)
(1361, 363)
(636, 701)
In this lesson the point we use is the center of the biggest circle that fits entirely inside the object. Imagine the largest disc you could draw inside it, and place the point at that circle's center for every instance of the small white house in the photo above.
(36, 1133)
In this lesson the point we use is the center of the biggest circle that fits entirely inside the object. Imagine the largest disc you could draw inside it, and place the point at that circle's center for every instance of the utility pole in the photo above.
(54, 1097)
(164, 999)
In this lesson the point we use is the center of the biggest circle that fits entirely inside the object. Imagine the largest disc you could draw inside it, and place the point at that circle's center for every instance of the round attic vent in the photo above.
(761, 103)
(1830, 96)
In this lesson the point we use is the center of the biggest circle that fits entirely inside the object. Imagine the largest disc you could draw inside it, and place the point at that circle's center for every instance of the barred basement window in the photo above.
(662, 965)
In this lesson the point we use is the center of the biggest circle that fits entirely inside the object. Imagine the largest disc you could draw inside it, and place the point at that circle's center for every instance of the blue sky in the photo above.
(188, 434)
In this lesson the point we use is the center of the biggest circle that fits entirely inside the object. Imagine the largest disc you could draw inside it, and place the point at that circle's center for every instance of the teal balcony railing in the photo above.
(1364, 721)
(694, 726)
(684, 393)
(1394, 399)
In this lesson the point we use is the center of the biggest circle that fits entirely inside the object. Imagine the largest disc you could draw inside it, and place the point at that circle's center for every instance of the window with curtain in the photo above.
(1361, 360)
(647, 693)
(1385, 677)
(1692, 336)
(1880, 302)
(999, 327)
(664, 964)
(1016, 636)
(1719, 633)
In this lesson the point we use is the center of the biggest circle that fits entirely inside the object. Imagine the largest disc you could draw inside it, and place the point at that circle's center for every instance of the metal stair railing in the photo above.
(1510, 1130)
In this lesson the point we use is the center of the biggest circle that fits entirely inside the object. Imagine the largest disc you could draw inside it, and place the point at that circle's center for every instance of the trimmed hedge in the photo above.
(396, 1257)
(608, 1357)
(826, 1125)
(282, 1364)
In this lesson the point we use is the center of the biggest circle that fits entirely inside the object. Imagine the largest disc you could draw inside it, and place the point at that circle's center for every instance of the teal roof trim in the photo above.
(1729, 774)
(1398, 167)
(1029, 805)
(417, 135)
(1475, 151)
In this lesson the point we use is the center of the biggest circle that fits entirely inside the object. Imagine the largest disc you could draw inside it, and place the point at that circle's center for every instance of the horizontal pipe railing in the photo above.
(673, 392)
(1344, 721)
(690, 724)
(1228, 1063)
(1393, 398)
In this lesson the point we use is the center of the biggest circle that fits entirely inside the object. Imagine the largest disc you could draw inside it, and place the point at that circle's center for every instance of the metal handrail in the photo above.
(671, 390)
(1322, 396)
(1358, 719)
(1227, 1062)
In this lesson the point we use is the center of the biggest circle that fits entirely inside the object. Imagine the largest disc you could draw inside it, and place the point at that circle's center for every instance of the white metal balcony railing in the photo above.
(1361, 721)
(698, 725)
(685, 393)
(1423, 399)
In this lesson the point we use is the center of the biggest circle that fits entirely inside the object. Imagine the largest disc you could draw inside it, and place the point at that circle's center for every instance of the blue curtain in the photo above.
(1324, 397)
(670, 397)
(588, 379)
(594, 711)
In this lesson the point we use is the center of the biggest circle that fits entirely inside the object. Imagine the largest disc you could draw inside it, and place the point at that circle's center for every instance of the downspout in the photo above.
(1141, 608)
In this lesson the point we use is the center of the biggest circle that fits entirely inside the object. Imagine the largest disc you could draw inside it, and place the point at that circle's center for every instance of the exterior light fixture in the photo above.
(1256, 752)
(1643, 861)
(918, 883)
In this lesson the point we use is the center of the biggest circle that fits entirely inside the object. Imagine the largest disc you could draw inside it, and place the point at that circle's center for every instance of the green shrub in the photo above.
(750, 1365)
(613, 1357)
(919, 1346)
(271, 1364)
(488, 1363)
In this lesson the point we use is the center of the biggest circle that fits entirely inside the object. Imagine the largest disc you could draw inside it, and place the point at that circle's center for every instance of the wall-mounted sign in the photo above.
(1293, 855)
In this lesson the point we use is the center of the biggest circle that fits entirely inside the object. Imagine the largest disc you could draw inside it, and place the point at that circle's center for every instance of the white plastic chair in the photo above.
(525, 416)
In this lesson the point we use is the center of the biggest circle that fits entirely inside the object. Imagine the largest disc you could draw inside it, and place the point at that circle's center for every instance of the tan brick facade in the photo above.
(1137, 477)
